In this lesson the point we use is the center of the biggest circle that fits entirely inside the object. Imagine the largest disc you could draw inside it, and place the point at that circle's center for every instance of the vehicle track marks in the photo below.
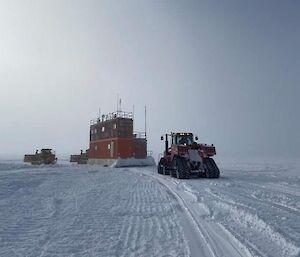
(208, 235)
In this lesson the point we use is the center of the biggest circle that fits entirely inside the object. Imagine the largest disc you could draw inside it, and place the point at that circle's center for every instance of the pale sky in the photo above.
(226, 70)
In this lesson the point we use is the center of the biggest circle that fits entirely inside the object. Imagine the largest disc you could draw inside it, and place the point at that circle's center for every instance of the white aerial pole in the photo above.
(117, 102)
(133, 117)
(146, 122)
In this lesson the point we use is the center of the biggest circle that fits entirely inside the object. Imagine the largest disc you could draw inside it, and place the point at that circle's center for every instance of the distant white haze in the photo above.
(226, 70)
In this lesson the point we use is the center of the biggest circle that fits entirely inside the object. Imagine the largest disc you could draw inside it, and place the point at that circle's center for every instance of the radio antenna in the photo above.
(133, 117)
(145, 121)
(99, 115)
(117, 102)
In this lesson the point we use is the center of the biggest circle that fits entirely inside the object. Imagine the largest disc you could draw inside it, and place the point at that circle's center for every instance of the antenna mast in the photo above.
(117, 102)
(146, 122)
(133, 116)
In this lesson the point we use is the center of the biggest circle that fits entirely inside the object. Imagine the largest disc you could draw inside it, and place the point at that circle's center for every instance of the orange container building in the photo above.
(112, 137)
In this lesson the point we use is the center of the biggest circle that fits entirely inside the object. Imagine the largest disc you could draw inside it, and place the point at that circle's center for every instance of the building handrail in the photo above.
(112, 116)
(139, 135)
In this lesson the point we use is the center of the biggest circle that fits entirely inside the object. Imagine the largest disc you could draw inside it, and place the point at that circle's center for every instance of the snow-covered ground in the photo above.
(85, 210)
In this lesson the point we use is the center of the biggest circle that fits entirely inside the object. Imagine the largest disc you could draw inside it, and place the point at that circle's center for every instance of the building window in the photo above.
(103, 129)
(115, 126)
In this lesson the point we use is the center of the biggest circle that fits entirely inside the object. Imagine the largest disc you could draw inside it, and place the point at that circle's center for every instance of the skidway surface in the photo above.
(74, 210)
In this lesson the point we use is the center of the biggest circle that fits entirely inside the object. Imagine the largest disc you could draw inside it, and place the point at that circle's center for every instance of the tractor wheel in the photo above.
(211, 168)
(173, 168)
(161, 166)
(181, 168)
(166, 171)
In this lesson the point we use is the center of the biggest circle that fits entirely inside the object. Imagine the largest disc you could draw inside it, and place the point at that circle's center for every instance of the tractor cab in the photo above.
(46, 151)
(182, 138)
(179, 140)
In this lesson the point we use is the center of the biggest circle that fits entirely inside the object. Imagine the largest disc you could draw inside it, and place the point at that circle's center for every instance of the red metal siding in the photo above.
(118, 127)
(140, 148)
(102, 149)
(111, 148)
(124, 147)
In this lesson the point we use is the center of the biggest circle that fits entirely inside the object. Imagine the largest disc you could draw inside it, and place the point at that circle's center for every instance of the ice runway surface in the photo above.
(82, 210)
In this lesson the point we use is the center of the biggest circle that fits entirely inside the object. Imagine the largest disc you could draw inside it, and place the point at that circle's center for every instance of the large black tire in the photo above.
(181, 169)
(172, 170)
(211, 168)
(161, 166)
(166, 171)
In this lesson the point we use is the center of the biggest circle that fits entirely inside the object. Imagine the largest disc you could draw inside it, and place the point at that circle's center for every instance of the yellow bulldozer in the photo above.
(81, 158)
(45, 156)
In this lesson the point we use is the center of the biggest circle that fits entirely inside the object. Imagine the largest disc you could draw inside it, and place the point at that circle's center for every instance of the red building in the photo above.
(112, 137)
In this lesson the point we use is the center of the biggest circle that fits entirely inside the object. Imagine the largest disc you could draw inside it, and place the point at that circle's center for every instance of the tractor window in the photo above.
(184, 139)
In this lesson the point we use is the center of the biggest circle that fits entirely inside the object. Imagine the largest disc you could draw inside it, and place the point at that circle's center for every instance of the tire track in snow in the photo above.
(253, 222)
(253, 209)
(210, 236)
(270, 193)
(141, 227)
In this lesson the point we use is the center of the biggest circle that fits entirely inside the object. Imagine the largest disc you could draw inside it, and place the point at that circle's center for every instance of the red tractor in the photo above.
(186, 157)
